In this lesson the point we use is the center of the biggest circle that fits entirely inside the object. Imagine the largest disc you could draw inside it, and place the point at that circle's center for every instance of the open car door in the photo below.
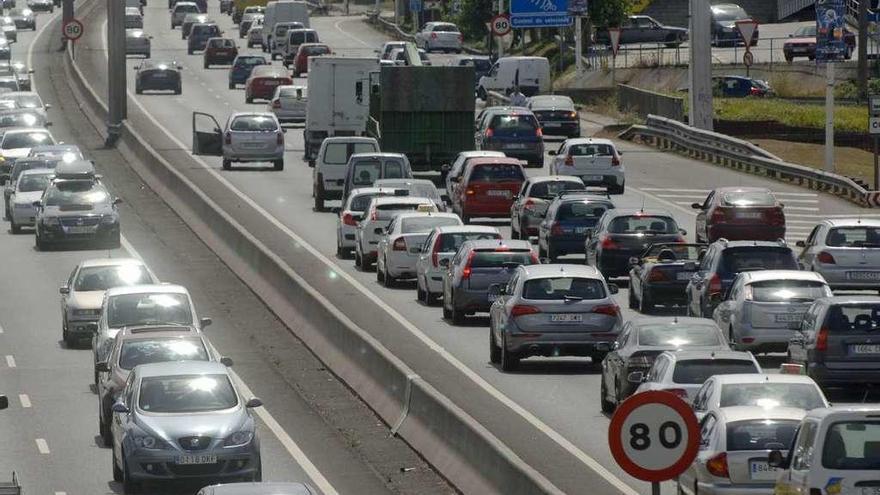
(207, 136)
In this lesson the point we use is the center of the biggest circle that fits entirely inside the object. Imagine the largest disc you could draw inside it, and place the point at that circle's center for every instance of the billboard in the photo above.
(539, 13)
(830, 26)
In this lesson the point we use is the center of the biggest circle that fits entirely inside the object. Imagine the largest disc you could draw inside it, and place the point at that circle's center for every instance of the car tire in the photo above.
(358, 261)
(319, 195)
(231, 85)
(730, 338)
(631, 297)
(387, 278)
(509, 361)
(617, 189)
(431, 298)
(257, 477)
(206, 65)
(514, 233)
(606, 405)
(117, 473)
(189, 51)
(227, 164)
(494, 350)
(249, 44)
(16, 229)
(458, 316)
(420, 294)
(465, 219)
(128, 485)
(105, 432)
(138, 90)
(645, 304)
(789, 58)
(278, 165)
(248, 99)
(39, 243)
(179, 89)
(552, 255)
(380, 274)
(447, 314)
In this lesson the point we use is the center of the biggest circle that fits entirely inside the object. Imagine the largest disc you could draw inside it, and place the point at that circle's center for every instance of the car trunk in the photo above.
(497, 195)
(570, 317)
(852, 335)
(781, 303)
(250, 141)
(748, 444)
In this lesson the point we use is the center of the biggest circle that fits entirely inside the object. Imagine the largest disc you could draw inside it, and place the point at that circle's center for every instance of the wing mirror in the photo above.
(119, 407)
(613, 289)
(800, 244)
(37, 204)
(4, 402)
(64, 290)
(253, 402)
(496, 290)
(205, 322)
(636, 377)
(117, 201)
(696, 206)
(226, 361)
(444, 263)
(445, 168)
(379, 231)
(102, 367)
(552, 152)
(633, 260)
(682, 231)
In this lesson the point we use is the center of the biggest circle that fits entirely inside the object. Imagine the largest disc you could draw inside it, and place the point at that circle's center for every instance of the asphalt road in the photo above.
(312, 427)
(559, 397)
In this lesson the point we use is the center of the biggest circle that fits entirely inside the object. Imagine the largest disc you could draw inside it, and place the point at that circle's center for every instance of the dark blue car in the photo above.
(242, 67)
(569, 217)
(517, 133)
(739, 87)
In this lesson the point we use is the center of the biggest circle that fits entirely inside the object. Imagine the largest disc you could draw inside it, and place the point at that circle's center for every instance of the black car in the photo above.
(724, 260)
(644, 29)
(23, 19)
(622, 234)
(661, 274)
(158, 76)
(77, 211)
(557, 115)
(723, 28)
(570, 217)
(199, 36)
(643, 339)
(41, 5)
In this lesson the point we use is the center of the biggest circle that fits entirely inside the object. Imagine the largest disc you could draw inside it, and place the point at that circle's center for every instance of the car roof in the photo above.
(488, 160)
(421, 214)
(394, 183)
(739, 244)
(717, 354)
(630, 212)
(460, 229)
(262, 488)
(377, 154)
(764, 275)
(498, 243)
(404, 200)
(349, 139)
(480, 153)
(548, 101)
(148, 289)
(589, 140)
(577, 196)
(737, 378)
(170, 368)
(371, 190)
(844, 412)
(158, 331)
(561, 270)
(743, 189)
(268, 70)
(852, 222)
(18, 130)
(251, 114)
(745, 413)
(110, 262)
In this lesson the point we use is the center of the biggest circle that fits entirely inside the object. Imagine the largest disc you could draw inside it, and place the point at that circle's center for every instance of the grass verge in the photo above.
(846, 118)
(851, 162)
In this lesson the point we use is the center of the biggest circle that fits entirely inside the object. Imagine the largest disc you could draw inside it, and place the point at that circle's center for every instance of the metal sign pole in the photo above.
(500, 43)
(829, 116)
(116, 69)
(578, 63)
(876, 167)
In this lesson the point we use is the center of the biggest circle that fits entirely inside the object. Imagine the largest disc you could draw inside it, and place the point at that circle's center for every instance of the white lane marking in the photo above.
(801, 208)
(703, 197)
(1, 328)
(336, 25)
(42, 446)
(706, 191)
(25, 400)
(415, 331)
(60, 493)
(289, 444)
(10, 361)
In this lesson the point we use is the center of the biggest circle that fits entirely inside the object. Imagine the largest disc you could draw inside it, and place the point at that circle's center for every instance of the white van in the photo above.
(331, 166)
(531, 74)
(282, 11)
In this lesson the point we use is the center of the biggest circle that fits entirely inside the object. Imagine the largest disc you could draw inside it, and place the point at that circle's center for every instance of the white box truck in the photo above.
(339, 99)
(282, 11)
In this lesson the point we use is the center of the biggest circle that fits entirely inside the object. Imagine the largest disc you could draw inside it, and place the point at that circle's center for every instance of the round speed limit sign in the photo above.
(500, 25)
(654, 436)
(72, 29)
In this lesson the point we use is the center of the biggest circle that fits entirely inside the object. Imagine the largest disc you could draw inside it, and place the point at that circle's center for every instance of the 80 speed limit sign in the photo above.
(500, 25)
(654, 436)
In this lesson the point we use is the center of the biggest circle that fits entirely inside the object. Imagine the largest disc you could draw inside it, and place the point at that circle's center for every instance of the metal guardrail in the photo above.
(743, 156)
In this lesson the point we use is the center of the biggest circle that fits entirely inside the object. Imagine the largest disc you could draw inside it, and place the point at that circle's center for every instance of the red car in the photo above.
(306, 50)
(263, 81)
(740, 214)
(219, 51)
(803, 43)
(487, 188)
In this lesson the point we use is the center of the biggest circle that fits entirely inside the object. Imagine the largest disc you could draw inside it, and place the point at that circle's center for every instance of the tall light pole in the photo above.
(700, 68)
(115, 69)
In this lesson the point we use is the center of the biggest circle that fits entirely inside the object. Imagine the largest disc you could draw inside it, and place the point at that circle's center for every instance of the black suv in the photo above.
(724, 260)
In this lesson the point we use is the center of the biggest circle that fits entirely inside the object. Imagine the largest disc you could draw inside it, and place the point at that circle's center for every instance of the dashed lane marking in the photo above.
(25, 400)
(10, 361)
(42, 446)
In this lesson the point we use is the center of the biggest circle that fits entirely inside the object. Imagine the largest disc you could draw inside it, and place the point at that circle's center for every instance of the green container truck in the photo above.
(426, 113)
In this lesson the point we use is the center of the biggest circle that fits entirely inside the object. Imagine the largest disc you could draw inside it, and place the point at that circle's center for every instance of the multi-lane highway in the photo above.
(548, 412)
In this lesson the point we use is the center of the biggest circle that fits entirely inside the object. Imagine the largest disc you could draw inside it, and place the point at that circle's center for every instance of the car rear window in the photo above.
(682, 252)
(300, 37)
(338, 153)
(634, 224)
(148, 309)
(853, 237)
(581, 210)
(678, 336)
(417, 225)
(696, 371)
(137, 352)
(760, 434)
(548, 190)
(497, 172)
(788, 290)
(749, 198)
(250, 61)
(549, 289)
(799, 395)
(362, 201)
(292, 92)
(450, 242)
(591, 149)
(735, 260)
(449, 28)
(851, 445)
(497, 259)
(508, 124)
(253, 123)
(316, 50)
(206, 30)
(186, 8)
(844, 318)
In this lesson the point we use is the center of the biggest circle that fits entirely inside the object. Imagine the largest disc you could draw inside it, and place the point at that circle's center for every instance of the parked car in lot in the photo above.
(137, 43)
(622, 234)
(28, 188)
(158, 75)
(73, 211)
(487, 188)
(845, 251)
(379, 213)
(552, 310)
(740, 213)
(442, 244)
(262, 82)
(289, 103)
(400, 246)
(199, 36)
(683, 372)
(352, 212)
(837, 341)
(530, 205)
(516, 133)
(570, 217)
(331, 167)
(557, 115)
(242, 67)
(723, 261)
(802, 43)
(475, 267)
(637, 29)
(723, 28)
(219, 51)
(596, 161)
(441, 36)
(764, 309)
(660, 275)
(766, 390)
(301, 58)
(246, 137)
(641, 340)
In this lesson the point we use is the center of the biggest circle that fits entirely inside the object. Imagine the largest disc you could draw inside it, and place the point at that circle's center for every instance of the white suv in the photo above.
(596, 161)
(328, 176)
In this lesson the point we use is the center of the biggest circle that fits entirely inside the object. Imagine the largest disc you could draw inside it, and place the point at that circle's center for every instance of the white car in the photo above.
(846, 251)
(683, 372)
(596, 161)
(400, 247)
(376, 219)
(460, 163)
(255, 36)
(289, 103)
(442, 243)
(423, 188)
(385, 52)
(759, 389)
(328, 176)
(351, 213)
(441, 36)
(180, 11)
(246, 137)
(18, 141)
(28, 188)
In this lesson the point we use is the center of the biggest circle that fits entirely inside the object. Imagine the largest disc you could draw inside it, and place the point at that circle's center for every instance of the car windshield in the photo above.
(643, 224)
(697, 371)
(497, 172)
(253, 123)
(498, 259)
(148, 309)
(735, 260)
(787, 290)
(34, 182)
(338, 153)
(591, 149)
(97, 278)
(75, 193)
(450, 242)
(853, 237)
(581, 211)
(136, 352)
(749, 198)
(415, 225)
(806, 31)
(760, 434)
(549, 189)
(858, 318)
(682, 252)
(25, 140)
(852, 445)
(480, 64)
(551, 289)
(186, 394)
(799, 395)
(678, 335)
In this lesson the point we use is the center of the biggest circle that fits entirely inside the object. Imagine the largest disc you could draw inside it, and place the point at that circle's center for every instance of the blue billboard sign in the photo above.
(539, 13)
(415, 5)
(830, 28)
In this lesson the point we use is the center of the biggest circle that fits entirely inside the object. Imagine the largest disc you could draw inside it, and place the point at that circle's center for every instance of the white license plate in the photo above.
(865, 349)
(752, 215)
(567, 318)
(498, 193)
(79, 230)
(515, 146)
(252, 145)
(552, 124)
(788, 317)
(593, 178)
(161, 75)
(863, 275)
(760, 470)
(581, 230)
(197, 459)
(684, 275)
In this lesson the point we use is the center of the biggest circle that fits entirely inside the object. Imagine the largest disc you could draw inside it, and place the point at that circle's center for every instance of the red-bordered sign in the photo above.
(614, 37)
(500, 25)
(654, 436)
(72, 29)
(747, 28)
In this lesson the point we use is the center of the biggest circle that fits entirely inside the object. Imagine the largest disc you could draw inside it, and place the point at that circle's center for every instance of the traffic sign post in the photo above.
(874, 130)
(72, 30)
(500, 25)
(654, 436)
(614, 38)
(747, 30)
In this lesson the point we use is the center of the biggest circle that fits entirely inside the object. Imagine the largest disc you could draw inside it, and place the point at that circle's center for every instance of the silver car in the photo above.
(133, 18)
(764, 308)
(17, 142)
(7, 25)
(289, 103)
(351, 213)
(376, 218)
(442, 244)
(137, 42)
(552, 310)
(399, 249)
(530, 206)
(28, 188)
(183, 420)
(246, 137)
(264, 488)
(734, 447)
(846, 251)
(443, 36)
(683, 372)
(255, 36)
(83, 292)
(761, 390)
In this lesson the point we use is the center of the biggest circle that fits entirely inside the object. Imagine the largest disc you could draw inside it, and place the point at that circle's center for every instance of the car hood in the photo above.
(90, 299)
(28, 197)
(77, 210)
(171, 426)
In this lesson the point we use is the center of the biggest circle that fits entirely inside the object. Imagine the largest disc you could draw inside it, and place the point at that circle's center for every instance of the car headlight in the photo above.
(148, 442)
(50, 221)
(108, 219)
(239, 438)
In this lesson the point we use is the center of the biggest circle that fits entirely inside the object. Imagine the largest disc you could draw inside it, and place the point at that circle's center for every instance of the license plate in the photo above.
(160, 76)
(593, 178)
(221, 52)
(498, 193)
(760, 470)
(79, 230)
(552, 124)
(863, 275)
(252, 145)
(865, 349)
(271, 83)
(684, 275)
(788, 318)
(197, 459)
(581, 230)
(515, 146)
(748, 214)
(567, 318)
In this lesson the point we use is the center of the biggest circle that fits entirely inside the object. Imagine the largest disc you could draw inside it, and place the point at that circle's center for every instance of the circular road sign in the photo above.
(748, 59)
(654, 436)
(500, 25)
(72, 29)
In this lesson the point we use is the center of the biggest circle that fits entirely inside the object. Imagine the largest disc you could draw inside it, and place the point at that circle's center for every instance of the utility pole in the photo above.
(863, 49)
(578, 44)
(116, 69)
(498, 38)
(66, 15)
(829, 115)
(700, 68)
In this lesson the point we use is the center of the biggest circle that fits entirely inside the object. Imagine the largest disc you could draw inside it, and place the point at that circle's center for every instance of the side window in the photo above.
(393, 170)
(703, 396)
(72, 277)
(707, 429)
(658, 370)
(624, 336)
(426, 247)
(811, 239)
(802, 454)
(511, 285)
(706, 264)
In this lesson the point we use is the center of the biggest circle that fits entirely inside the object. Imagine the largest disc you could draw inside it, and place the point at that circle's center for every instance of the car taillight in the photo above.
(523, 310)
(756, 92)
(615, 161)
(822, 339)
(279, 139)
(466, 271)
(460, 37)
(470, 192)
(678, 392)
(607, 309)
(718, 215)
(556, 229)
(399, 244)
(535, 259)
(825, 257)
(435, 252)
(228, 138)
(348, 219)
(539, 132)
(657, 275)
(715, 284)
(717, 465)
(276, 103)
(433, 36)
(569, 161)
(489, 132)
(608, 243)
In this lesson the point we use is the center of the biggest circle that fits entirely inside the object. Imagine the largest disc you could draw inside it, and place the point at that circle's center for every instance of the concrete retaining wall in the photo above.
(643, 103)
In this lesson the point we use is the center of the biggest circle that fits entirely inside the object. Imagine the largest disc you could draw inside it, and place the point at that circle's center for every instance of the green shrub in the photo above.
(846, 118)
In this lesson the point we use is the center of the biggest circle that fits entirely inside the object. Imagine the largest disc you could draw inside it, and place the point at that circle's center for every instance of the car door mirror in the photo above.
(615, 345)
(117, 201)
(633, 260)
(552, 152)
(776, 460)
(444, 263)
(4, 402)
(102, 367)
(378, 231)
(636, 377)
(253, 402)
(37, 204)
(64, 290)
(800, 244)
(456, 179)
(696, 206)
(226, 361)
(445, 168)
(120, 408)
(613, 289)
(682, 231)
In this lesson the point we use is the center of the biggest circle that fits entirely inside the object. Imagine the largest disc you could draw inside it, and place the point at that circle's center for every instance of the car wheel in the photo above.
(789, 58)
(645, 304)
(319, 195)
(617, 189)
(147, 55)
(606, 405)
(104, 429)
(420, 294)
(205, 64)
(179, 89)
(65, 334)
(128, 485)
(231, 85)
(447, 314)
(279, 165)
(390, 281)
(380, 274)
(552, 256)
(257, 477)
(138, 90)
(248, 99)
(514, 232)
(358, 262)
(38, 243)
(849, 52)
(465, 219)
(189, 51)
(458, 316)
(227, 164)
(117, 473)
(494, 350)
(509, 361)
(633, 302)
(730, 338)
(16, 229)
